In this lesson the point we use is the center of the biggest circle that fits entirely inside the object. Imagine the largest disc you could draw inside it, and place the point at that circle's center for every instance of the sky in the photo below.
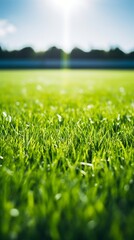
(86, 24)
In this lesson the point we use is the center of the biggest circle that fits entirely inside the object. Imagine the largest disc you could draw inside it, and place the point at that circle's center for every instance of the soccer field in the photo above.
(66, 155)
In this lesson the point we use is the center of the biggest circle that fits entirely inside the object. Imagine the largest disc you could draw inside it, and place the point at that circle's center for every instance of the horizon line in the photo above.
(66, 52)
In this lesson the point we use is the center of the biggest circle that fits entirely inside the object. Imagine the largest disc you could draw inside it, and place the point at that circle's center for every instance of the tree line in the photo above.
(54, 53)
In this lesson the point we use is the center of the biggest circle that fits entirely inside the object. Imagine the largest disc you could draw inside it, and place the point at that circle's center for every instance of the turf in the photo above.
(66, 155)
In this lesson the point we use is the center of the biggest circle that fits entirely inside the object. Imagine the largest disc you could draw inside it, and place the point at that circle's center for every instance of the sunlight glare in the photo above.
(66, 9)
(67, 6)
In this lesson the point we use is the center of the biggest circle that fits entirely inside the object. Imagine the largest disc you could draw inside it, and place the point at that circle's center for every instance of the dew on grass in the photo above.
(128, 118)
(7, 117)
(121, 167)
(109, 103)
(4, 114)
(58, 196)
(8, 171)
(59, 118)
(90, 106)
(14, 212)
(122, 90)
(83, 172)
(48, 167)
(118, 117)
(53, 108)
(103, 120)
(1, 157)
(52, 158)
(91, 121)
(38, 103)
(86, 164)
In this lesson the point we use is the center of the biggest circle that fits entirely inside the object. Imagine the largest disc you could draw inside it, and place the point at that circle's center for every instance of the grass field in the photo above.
(66, 155)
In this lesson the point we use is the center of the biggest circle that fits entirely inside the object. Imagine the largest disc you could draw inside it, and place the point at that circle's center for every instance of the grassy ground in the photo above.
(66, 155)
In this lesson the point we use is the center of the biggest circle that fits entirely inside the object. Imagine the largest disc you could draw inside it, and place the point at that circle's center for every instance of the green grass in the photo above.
(66, 155)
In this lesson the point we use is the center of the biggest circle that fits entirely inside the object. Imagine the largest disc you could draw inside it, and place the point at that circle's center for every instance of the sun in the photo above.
(67, 6)
(66, 10)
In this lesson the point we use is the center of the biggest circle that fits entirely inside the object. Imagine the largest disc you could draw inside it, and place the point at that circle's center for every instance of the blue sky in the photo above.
(45, 23)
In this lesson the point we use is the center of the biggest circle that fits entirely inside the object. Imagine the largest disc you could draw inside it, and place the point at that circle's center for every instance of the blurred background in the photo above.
(66, 34)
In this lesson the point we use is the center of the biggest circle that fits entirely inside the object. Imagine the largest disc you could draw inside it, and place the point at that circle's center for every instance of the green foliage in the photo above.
(66, 155)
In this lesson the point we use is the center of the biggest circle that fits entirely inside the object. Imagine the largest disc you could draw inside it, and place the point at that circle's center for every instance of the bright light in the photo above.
(67, 9)
(67, 6)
